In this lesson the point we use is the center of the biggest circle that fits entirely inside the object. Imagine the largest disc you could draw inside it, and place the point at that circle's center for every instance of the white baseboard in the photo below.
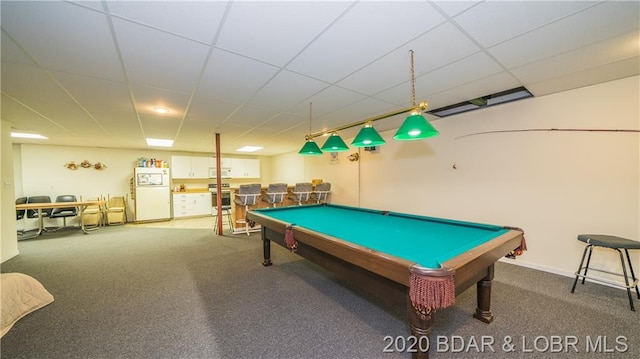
(564, 273)
(15, 253)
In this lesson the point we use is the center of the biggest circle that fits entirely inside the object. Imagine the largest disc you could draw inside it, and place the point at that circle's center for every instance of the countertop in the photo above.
(192, 190)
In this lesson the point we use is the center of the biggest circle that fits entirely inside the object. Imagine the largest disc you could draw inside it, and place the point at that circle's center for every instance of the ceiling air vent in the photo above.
(482, 102)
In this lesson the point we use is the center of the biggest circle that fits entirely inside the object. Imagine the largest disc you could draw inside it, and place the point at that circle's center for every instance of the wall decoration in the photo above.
(71, 165)
(85, 164)
(334, 158)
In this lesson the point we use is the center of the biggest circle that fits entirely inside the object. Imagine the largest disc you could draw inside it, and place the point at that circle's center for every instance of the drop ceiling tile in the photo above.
(592, 25)
(158, 127)
(22, 118)
(296, 135)
(251, 116)
(591, 56)
(110, 117)
(11, 52)
(196, 127)
(453, 8)
(89, 90)
(200, 132)
(71, 118)
(492, 22)
(211, 109)
(204, 16)
(52, 31)
(157, 59)
(233, 78)
(347, 45)
(327, 100)
(469, 69)
(286, 90)
(60, 112)
(97, 5)
(275, 32)
(609, 72)
(435, 49)
(256, 134)
(25, 81)
(284, 121)
(81, 125)
(230, 132)
(147, 98)
(118, 126)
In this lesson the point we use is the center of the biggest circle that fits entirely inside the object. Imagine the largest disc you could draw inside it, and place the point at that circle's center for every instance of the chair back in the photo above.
(33, 213)
(94, 208)
(322, 191)
(248, 194)
(65, 211)
(302, 191)
(20, 212)
(276, 192)
(116, 210)
(116, 203)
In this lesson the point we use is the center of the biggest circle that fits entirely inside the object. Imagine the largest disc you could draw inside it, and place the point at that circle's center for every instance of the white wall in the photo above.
(9, 242)
(554, 185)
(287, 168)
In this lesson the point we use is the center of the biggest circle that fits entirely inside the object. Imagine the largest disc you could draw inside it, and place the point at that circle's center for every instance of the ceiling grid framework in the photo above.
(88, 73)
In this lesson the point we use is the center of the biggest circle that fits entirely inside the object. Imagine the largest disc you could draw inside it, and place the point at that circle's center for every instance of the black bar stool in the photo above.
(618, 244)
(225, 211)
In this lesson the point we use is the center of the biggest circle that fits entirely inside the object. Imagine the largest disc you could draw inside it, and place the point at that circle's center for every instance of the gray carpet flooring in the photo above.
(123, 292)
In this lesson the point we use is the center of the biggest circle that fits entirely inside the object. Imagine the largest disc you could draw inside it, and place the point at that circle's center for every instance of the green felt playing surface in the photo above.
(428, 241)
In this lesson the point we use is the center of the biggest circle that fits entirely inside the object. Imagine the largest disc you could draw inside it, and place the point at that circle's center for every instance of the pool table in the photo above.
(409, 260)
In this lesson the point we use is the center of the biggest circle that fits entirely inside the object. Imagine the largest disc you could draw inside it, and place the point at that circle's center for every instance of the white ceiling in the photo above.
(88, 73)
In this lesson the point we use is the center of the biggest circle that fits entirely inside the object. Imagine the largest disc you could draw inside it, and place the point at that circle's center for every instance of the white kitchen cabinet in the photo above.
(180, 167)
(245, 168)
(202, 204)
(189, 167)
(191, 204)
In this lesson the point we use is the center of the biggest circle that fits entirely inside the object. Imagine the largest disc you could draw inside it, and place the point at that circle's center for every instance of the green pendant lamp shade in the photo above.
(335, 144)
(415, 127)
(310, 148)
(368, 136)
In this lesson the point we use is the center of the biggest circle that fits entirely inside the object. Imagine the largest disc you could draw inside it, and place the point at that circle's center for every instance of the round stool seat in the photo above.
(603, 240)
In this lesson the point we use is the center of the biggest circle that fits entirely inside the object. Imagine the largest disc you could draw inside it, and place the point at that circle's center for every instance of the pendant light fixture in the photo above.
(415, 126)
(368, 136)
(335, 144)
(310, 147)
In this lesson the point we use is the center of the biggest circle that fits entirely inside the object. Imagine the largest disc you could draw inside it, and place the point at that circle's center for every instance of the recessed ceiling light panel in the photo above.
(159, 142)
(28, 135)
(249, 149)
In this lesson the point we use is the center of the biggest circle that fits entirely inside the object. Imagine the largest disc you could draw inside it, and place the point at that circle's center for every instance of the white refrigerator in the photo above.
(152, 194)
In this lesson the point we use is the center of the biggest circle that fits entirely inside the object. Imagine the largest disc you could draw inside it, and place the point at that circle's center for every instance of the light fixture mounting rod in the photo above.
(420, 107)
(413, 80)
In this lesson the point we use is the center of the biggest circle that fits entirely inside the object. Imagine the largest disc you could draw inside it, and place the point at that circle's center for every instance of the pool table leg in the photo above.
(483, 311)
(421, 322)
(266, 249)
